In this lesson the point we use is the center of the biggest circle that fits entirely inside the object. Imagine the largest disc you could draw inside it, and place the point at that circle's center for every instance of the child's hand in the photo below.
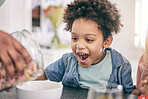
(143, 86)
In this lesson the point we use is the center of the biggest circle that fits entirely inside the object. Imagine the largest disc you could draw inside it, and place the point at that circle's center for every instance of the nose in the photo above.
(80, 45)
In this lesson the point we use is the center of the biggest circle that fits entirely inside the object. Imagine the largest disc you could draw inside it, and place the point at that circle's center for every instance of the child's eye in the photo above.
(74, 38)
(89, 40)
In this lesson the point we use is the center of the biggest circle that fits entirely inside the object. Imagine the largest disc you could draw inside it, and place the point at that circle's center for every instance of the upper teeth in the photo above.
(81, 54)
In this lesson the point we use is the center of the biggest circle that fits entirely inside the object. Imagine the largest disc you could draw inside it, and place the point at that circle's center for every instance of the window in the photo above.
(141, 22)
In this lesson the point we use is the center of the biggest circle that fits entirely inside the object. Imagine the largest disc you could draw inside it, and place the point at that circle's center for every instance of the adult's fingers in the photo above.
(18, 46)
(17, 60)
(7, 62)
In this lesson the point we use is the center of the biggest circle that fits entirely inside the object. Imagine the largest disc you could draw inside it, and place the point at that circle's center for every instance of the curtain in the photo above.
(141, 21)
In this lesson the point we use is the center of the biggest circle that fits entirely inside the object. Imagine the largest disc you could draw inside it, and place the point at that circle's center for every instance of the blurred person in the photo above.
(12, 53)
(12, 56)
(142, 72)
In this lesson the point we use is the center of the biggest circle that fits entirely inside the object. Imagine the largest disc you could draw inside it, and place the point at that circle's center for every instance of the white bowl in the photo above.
(39, 90)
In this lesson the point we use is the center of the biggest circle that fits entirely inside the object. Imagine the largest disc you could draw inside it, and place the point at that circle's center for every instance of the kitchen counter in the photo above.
(68, 93)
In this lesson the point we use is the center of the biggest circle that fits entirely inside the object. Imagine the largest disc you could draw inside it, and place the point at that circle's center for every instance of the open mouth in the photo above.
(82, 56)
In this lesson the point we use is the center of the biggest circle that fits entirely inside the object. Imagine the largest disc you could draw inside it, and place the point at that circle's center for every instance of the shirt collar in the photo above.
(117, 58)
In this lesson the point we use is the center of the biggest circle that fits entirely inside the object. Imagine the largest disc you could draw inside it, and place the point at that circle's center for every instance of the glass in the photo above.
(25, 38)
(55, 15)
(31, 71)
(110, 91)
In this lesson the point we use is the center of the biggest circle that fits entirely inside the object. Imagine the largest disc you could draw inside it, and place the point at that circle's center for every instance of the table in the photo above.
(74, 93)
(79, 93)
(68, 93)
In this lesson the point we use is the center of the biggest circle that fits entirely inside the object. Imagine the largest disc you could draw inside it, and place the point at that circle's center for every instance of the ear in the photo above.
(108, 42)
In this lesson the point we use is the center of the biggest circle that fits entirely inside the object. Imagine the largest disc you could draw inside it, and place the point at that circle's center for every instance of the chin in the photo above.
(84, 65)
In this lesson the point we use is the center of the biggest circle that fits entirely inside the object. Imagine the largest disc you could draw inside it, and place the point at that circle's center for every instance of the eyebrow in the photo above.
(73, 33)
(86, 34)
(91, 34)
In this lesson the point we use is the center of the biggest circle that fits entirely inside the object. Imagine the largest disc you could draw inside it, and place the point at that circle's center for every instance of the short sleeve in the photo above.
(55, 71)
(126, 78)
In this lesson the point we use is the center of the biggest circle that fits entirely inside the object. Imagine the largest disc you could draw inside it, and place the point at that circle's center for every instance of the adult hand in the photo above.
(143, 86)
(12, 56)
(146, 43)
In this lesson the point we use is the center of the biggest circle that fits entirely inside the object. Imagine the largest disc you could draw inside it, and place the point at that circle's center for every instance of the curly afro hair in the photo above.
(103, 12)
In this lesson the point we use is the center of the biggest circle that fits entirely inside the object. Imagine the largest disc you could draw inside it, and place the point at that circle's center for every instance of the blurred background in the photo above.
(43, 19)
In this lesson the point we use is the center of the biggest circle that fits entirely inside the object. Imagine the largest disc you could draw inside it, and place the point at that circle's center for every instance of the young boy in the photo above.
(92, 24)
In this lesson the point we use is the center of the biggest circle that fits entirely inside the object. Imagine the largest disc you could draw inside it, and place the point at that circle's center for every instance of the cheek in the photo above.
(73, 47)
(96, 49)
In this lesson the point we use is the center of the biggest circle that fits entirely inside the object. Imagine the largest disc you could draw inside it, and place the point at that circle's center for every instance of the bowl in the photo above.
(39, 89)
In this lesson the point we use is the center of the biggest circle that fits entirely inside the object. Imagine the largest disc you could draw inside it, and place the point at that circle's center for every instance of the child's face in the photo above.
(87, 42)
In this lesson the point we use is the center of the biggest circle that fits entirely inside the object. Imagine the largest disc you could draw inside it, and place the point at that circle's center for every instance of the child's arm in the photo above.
(54, 71)
(42, 77)
(135, 92)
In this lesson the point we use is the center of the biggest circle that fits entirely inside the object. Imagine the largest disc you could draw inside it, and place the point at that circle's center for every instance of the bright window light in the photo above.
(141, 22)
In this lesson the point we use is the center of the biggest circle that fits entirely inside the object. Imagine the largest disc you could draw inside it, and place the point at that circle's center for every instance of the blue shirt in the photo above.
(66, 70)
(98, 73)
